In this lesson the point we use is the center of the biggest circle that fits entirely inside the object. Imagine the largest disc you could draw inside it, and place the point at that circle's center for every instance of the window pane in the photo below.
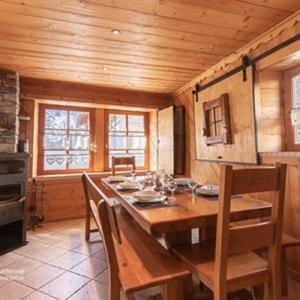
(79, 120)
(117, 122)
(212, 129)
(296, 91)
(136, 142)
(55, 160)
(218, 113)
(297, 134)
(56, 119)
(55, 139)
(117, 142)
(139, 157)
(135, 123)
(79, 160)
(79, 140)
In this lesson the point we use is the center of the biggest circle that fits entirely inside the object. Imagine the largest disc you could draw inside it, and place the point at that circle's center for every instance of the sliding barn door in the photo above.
(166, 139)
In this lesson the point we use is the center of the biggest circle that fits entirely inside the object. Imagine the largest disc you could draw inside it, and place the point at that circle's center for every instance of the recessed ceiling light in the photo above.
(116, 31)
(105, 68)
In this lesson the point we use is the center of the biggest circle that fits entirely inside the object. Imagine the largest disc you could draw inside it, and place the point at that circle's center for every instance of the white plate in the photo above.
(147, 196)
(159, 199)
(206, 192)
(128, 185)
(116, 178)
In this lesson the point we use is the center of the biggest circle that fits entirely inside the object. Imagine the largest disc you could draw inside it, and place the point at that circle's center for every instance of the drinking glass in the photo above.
(133, 174)
(192, 184)
(172, 186)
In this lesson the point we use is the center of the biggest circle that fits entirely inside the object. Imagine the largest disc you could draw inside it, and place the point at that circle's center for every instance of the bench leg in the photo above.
(259, 292)
(173, 290)
(87, 223)
(114, 289)
(284, 286)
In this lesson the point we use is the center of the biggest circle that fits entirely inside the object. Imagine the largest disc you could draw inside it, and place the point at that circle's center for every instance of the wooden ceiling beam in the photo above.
(65, 91)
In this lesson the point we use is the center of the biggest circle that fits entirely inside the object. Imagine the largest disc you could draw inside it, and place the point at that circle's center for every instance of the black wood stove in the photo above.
(13, 183)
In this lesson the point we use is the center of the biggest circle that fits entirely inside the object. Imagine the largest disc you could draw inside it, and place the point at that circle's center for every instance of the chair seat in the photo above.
(243, 270)
(143, 261)
(289, 241)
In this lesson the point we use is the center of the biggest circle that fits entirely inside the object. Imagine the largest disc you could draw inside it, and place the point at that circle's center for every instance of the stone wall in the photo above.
(9, 110)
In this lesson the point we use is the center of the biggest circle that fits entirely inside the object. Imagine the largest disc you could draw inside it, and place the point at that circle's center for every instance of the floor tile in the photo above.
(9, 258)
(49, 253)
(50, 238)
(41, 276)
(3, 280)
(92, 291)
(89, 248)
(103, 277)
(101, 254)
(65, 285)
(14, 291)
(31, 249)
(25, 265)
(72, 242)
(90, 267)
(68, 260)
(37, 295)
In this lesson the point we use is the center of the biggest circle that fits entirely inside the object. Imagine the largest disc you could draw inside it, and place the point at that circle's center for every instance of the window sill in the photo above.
(76, 176)
(288, 157)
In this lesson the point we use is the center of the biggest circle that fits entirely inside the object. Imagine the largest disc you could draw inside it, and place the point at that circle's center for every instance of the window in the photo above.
(127, 136)
(292, 108)
(296, 107)
(65, 138)
(217, 121)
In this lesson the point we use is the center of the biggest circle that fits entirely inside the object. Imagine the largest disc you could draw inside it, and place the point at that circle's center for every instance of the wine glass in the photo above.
(172, 186)
(133, 174)
(141, 185)
(192, 184)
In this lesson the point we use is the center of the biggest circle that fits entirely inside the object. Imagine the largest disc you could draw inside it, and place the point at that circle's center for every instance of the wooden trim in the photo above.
(106, 148)
(42, 109)
(288, 97)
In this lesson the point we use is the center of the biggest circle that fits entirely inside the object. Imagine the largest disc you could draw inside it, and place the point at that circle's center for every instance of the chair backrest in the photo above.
(239, 239)
(122, 161)
(104, 214)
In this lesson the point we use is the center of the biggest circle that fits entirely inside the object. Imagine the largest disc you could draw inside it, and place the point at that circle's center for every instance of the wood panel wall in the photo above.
(270, 111)
(269, 124)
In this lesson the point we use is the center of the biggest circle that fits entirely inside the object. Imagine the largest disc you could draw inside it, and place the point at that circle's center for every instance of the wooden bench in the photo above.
(136, 259)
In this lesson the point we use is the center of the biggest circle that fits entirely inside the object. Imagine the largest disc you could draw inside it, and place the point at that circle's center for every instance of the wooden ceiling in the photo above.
(163, 43)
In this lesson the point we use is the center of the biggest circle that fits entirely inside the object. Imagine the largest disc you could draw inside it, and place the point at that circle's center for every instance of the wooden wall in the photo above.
(270, 125)
(270, 111)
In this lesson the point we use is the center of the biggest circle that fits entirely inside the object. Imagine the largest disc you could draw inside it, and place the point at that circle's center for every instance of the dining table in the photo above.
(175, 223)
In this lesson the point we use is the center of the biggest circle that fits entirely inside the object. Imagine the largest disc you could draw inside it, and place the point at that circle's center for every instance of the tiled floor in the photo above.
(58, 263)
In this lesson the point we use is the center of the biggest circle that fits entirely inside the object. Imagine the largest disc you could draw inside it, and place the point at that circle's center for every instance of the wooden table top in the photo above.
(190, 212)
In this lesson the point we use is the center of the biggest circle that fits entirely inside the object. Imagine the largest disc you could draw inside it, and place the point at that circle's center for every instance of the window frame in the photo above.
(106, 134)
(288, 106)
(41, 150)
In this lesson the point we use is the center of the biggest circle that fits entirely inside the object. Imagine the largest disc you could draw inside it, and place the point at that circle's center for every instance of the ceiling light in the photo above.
(105, 69)
(116, 31)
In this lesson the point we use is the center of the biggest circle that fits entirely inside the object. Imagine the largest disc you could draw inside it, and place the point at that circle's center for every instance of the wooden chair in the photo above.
(122, 160)
(287, 242)
(136, 260)
(228, 263)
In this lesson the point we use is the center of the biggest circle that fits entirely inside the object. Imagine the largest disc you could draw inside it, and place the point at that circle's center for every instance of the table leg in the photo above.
(182, 288)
